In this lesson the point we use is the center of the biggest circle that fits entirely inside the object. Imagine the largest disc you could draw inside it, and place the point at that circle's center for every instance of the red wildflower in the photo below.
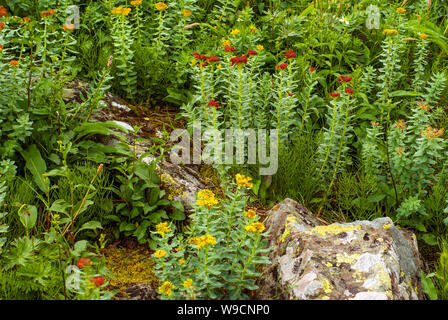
(213, 103)
(349, 90)
(290, 54)
(14, 63)
(2, 26)
(238, 60)
(27, 20)
(47, 13)
(252, 52)
(344, 78)
(290, 94)
(98, 281)
(335, 94)
(212, 59)
(84, 262)
(282, 66)
(199, 56)
(312, 69)
(203, 64)
(1, 47)
(3, 12)
(229, 48)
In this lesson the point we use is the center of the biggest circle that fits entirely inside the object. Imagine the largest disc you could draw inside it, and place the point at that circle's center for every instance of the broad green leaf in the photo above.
(36, 164)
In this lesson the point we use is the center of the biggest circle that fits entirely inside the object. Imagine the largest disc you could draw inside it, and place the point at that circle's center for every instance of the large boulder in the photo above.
(362, 260)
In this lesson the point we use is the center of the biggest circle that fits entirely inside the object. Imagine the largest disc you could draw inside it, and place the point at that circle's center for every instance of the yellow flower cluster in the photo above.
(400, 124)
(166, 288)
(182, 261)
(203, 241)
(163, 228)
(235, 32)
(186, 12)
(226, 43)
(251, 214)
(243, 181)
(120, 11)
(401, 10)
(431, 133)
(188, 283)
(252, 29)
(206, 198)
(161, 6)
(136, 2)
(260, 47)
(160, 253)
(255, 227)
(390, 32)
(423, 36)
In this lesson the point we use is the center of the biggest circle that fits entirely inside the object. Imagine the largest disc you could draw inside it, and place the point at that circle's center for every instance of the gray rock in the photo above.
(361, 260)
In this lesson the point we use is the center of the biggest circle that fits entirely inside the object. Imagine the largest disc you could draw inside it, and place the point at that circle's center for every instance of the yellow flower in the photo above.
(235, 32)
(219, 66)
(250, 214)
(243, 181)
(177, 249)
(166, 288)
(120, 11)
(255, 227)
(136, 2)
(160, 253)
(163, 228)
(431, 133)
(226, 43)
(186, 13)
(188, 283)
(206, 198)
(181, 261)
(203, 241)
(390, 32)
(423, 36)
(260, 47)
(161, 6)
(252, 29)
(401, 10)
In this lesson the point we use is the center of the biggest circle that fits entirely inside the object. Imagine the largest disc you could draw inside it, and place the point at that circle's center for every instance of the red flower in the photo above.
(229, 48)
(84, 262)
(1, 47)
(204, 64)
(14, 63)
(344, 78)
(238, 60)
(282, 66)
(47, 13)
(312, 69)
(290, 94)
(349, 90)
(213, 103)
(252, 52)
(98, 281)
(2, 26)
(3, 12)
(335, 94)
(290, 54)
(212, 59)
(199, 56)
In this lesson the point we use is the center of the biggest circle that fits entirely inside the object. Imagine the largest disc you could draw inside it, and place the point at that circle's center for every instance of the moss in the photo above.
(129, 266)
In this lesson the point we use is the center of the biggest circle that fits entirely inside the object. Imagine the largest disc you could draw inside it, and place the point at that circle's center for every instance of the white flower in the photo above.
(344, 19)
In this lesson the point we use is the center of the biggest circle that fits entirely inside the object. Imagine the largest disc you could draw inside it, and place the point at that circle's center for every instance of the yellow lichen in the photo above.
(386, 226)
(331, 229)
(346, 258)
(328, 264)
(173, 188)
(326, 285)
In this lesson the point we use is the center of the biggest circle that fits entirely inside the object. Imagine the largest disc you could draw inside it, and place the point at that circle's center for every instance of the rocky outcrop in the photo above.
(362, 260)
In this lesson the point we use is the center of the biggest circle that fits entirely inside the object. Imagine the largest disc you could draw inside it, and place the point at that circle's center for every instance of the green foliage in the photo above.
(218, 255)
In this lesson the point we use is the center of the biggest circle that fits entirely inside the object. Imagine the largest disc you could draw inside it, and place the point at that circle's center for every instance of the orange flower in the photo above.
(27, 20)
(3, 12)
(14, 63)
(1, 47)
(84, 262)
(2, 26)
(69, 27)
(48, 13)
(97, 281)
